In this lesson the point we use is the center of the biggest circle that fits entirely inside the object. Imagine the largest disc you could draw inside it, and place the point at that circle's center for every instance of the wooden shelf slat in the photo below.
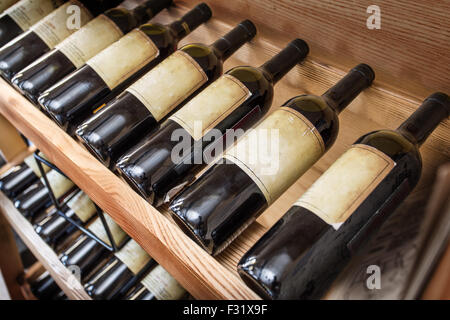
(63, 277)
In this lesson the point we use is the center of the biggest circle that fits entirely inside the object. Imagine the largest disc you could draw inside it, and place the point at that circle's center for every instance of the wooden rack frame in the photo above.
(203, 276)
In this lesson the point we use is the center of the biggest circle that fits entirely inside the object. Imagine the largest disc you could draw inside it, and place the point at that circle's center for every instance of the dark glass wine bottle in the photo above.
(45, 287)
(304, 252)
(47, 33)
(237, 100)
(78, 95)
(51, 230)
(121, 123)
(78, 48)
(235, 191)
(120, 273)
(20, 177)
(21, 16)
(36, 197)
(158, 284)
(86, 253)
(54, 228)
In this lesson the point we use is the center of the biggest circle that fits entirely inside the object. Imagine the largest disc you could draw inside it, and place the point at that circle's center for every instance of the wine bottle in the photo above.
(74, 98)
(55, 228)
(21, 16)
(78, 48)
(259, 168)
(119, 273)
(47, 33)
(137, 111)
(37, 197)
(236, 100)
(158, 284)
(20, 177)
(86, 253)
(301, 255)
(45, 287)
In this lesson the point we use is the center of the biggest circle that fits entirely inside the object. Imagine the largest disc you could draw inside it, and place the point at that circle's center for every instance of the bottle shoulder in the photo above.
(160, 34)
(205, 56)
(317, 111)
(122, 18)
(391, 143)
(255, 80)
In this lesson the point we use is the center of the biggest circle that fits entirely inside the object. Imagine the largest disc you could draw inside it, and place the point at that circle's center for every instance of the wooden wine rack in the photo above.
(411, 62)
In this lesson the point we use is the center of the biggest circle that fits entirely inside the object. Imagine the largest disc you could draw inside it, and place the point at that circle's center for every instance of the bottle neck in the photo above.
(149, 9)
(342, 93)
(190, 21)
(426, 118)
(98, 7)
(284, 61)
(233, 40)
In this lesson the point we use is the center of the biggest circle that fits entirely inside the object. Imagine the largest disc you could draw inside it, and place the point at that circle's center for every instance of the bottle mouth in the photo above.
(442, 99)
(250, 27)
(301, 46)
(366, 71)
(205, 10)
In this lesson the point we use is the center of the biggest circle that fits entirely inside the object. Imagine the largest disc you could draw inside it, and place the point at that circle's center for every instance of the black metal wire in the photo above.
(113, 247)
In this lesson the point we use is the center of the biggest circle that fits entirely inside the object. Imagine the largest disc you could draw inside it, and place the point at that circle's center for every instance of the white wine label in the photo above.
(168, 84)
(278, 151)
(97, 228)
(212, 105)
(27, 12)
(133, 256)
(346, 184)
(90, 40)
(54, 28)
(163, 285)
(5, 4)
(60, 185)
(30, 161)
(82, 205)
(124, 58)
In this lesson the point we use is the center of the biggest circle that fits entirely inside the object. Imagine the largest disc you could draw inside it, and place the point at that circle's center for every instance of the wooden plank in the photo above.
(439, 286)
(11, 143)
(409, 53)
(63, 277)
(10, 261)
(18, 159)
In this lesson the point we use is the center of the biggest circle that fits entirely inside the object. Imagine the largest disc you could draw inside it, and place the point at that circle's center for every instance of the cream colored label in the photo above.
(54, 28)
(82, 205)
(90, 40)
(27, 12)
(60, 185)
(346, 184)
(98, 229)
(168, 84)
(163, 285)
(30, 161)
(133, 256)
(5, 4)
(124, 58)
(211, 106)
(278, 151)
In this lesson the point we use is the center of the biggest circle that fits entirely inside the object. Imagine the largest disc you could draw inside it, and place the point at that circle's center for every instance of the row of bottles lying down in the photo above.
(127, 102)
(129, 273)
